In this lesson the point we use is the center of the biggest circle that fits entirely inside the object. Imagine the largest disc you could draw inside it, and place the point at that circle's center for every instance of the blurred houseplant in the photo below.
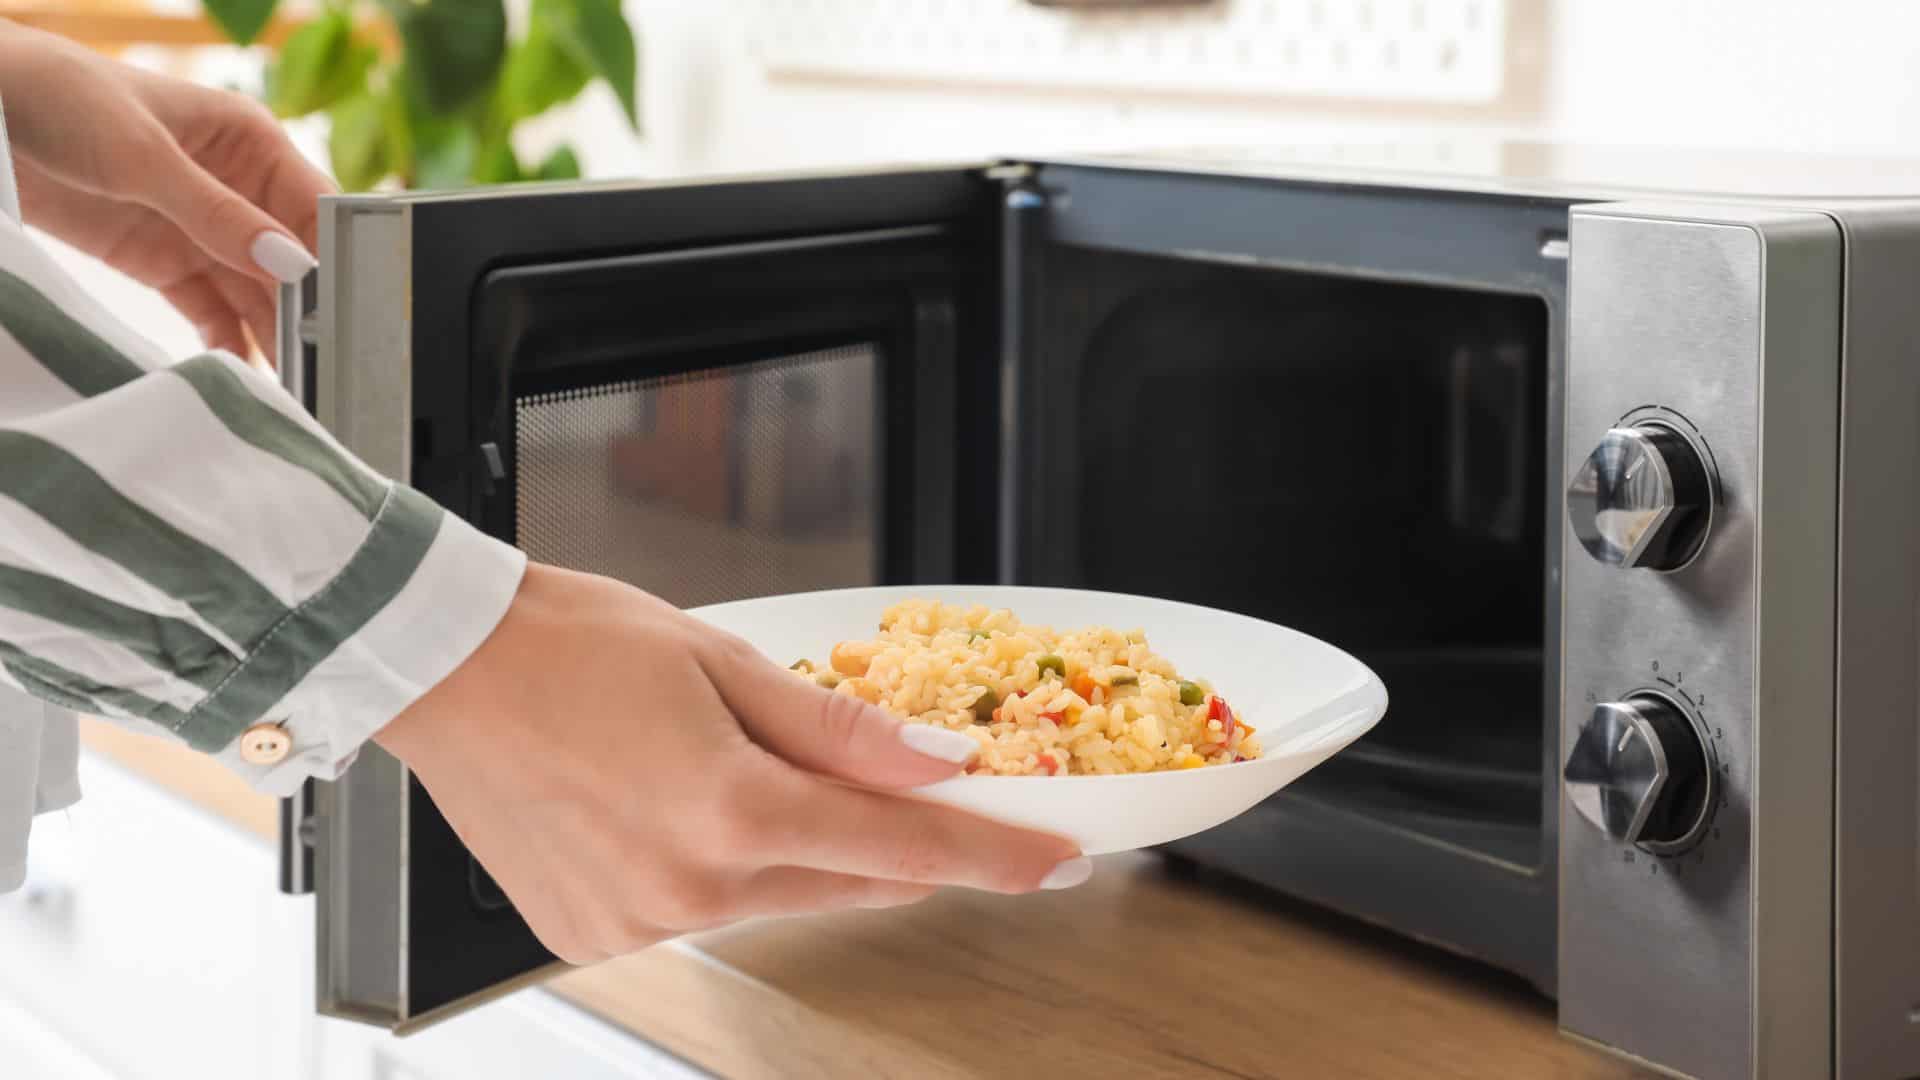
(440, 111)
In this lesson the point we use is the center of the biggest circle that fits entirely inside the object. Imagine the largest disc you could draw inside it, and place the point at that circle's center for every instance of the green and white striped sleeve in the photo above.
(184, 549)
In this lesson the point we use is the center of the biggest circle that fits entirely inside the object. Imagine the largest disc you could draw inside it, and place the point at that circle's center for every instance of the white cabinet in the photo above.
(531, 1033)
(151, 943)
(151, 936)
(29, 1049)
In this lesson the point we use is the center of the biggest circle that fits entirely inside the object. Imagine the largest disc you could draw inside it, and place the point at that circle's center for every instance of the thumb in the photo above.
(224, 225)
(830, 733)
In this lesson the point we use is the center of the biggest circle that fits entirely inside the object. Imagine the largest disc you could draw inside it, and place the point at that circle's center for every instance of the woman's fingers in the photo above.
(810, 821)
(815, 823)
(143, 244)
(829, 733)
(242, 145)
(135, 239)
(292, 189)
(201, 301)
(127, 152)
(252, 303)
(226, 226)
(795, 890)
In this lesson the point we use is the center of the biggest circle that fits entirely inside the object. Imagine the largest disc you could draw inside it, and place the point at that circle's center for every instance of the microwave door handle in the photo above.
(293, 334)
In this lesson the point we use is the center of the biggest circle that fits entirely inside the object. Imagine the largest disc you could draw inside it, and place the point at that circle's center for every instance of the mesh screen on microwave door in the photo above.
(748, 480)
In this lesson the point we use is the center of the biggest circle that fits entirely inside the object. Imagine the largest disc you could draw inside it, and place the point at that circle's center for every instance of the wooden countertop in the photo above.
(1139, 973)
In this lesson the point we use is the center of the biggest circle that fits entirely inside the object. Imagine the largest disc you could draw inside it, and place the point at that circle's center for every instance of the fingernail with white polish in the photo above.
(938, 743)
(1074, 871)
(278, 255)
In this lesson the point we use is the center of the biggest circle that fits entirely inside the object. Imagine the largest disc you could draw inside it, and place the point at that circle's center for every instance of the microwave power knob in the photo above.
(1639, 770)
(1644, 498)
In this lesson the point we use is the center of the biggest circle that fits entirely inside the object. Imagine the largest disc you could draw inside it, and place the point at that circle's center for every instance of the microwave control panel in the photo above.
(1698, 622)
(1644, 766)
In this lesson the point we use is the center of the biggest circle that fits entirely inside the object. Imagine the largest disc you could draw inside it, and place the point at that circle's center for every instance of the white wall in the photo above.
(1839, 76)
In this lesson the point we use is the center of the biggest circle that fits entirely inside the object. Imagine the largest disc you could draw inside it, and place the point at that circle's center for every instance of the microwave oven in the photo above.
(1605, 462)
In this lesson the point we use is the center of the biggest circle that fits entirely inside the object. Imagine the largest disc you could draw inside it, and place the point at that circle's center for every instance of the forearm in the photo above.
(32, 65)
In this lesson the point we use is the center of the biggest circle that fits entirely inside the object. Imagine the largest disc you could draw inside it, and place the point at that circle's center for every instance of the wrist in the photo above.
(474, 683)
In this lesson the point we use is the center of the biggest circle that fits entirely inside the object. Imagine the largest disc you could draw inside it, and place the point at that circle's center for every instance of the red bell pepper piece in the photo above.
(1217, 710)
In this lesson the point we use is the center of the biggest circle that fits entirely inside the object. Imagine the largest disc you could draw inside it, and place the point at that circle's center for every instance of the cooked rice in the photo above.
(1105, 702)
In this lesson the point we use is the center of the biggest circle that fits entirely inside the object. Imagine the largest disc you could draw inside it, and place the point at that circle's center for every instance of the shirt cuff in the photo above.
(450, 604)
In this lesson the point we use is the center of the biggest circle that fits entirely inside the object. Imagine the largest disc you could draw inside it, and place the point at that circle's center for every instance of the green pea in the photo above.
(1124, 678)
(984, 705)
(1052, 663)
(800, 665)
(828, 679)
(1191, 694)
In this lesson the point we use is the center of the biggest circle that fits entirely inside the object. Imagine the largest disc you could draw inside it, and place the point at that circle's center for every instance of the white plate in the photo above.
(1308, 699)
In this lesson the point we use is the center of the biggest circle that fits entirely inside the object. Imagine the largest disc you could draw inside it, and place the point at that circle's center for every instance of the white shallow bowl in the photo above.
(1308, 699)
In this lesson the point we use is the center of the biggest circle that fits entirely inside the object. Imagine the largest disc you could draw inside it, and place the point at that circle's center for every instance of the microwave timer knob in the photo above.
(1644, 498)
(1639, 770)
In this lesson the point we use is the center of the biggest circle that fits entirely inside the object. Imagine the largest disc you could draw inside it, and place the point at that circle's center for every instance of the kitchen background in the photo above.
(757, 85)
(754, 85)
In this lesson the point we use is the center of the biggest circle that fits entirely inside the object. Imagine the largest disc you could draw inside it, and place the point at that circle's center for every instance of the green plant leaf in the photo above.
(597, 35)
(495, 164)
(445, 155)
(319, 65)
(358, 142)
(539, 72)
(560, 165)
(454, 47)
(399, 124)
(241, 20)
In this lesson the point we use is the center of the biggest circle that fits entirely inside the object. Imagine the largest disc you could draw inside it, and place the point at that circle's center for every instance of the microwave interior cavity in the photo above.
(1333, 408)
(1361, 459)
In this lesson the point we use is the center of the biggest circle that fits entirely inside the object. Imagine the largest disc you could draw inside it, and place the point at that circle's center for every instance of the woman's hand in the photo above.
(195, 192)
(627, 773)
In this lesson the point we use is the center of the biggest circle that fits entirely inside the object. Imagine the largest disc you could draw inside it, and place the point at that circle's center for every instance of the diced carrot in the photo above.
(1048, 763)
(1083, 685)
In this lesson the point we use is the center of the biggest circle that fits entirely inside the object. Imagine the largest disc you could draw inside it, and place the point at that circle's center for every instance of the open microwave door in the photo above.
(712, 390)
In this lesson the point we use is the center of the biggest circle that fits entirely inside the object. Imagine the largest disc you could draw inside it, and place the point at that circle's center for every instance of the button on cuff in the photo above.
(265, 744)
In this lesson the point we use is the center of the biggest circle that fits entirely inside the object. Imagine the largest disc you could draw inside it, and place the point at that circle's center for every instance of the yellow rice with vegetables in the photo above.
(1092, 701)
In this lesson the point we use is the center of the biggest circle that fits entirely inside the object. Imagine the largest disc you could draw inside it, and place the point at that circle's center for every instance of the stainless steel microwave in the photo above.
(1605, 462)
